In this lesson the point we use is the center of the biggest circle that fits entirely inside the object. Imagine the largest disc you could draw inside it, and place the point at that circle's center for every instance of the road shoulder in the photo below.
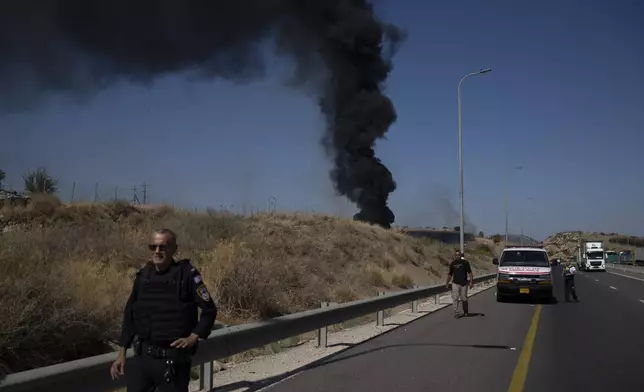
(240, 376)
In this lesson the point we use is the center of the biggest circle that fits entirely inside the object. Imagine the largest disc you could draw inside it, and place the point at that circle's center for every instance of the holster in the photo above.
(137, 346)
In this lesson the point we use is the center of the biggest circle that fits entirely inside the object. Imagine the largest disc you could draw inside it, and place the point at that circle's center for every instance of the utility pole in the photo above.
(135, 198)
(145, 193)
(272, 204)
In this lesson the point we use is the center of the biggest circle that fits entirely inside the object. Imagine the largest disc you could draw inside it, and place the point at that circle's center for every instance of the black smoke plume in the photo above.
(340, 49)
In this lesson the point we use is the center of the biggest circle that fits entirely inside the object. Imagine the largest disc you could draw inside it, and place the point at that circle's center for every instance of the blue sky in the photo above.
(565, 100)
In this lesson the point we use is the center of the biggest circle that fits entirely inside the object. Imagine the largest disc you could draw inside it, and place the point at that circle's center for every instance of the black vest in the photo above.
(164, 309)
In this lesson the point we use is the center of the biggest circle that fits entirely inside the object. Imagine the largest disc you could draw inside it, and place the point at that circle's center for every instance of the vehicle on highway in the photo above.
(591, 256)
(638, 257)
(610, 256)
(626, 257)
(524, 271)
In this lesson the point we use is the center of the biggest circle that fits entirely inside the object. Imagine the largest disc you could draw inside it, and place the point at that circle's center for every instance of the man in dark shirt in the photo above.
(161, 320)
(459, 271)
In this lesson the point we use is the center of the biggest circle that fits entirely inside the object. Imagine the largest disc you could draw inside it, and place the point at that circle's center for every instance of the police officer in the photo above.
(569, 281)
(160, 320)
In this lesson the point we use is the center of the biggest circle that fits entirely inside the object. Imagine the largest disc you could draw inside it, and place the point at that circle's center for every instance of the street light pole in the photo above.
(521, 226)
(507, 191)
(522, 215)
(460, 157)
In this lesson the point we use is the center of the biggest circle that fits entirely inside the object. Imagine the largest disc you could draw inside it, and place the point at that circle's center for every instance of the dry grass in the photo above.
(66, 270)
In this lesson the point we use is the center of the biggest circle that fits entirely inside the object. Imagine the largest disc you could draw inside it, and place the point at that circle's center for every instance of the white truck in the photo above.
(591, 256)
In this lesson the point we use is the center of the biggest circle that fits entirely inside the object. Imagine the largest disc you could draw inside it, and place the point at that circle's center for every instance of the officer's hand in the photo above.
(185, 342)
(117, 368)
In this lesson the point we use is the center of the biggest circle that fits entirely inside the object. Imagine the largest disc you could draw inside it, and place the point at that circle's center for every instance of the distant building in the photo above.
(12, 198)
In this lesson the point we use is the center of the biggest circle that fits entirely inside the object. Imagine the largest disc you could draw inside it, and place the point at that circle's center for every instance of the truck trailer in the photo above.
(638, 257)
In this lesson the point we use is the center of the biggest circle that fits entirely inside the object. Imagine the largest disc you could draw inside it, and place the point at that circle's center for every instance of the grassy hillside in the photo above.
(66, 270)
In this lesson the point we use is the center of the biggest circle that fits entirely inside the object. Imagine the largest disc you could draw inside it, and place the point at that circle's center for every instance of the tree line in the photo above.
(35, 181)
(627, 240)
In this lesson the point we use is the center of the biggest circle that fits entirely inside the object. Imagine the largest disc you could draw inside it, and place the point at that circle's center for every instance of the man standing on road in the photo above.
(569, 281)
(459, 271)
(160, 320)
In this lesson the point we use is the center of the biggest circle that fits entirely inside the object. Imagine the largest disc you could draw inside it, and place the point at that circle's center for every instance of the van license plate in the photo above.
(524, 290)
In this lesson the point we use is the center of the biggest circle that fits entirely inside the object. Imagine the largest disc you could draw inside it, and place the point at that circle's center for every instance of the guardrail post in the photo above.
(380, 316)
(437, 299)
(206, 381)
(322, 332)
(414, 303)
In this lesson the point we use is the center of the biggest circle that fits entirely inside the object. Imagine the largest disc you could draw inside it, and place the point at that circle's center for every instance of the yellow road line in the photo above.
(521, 370)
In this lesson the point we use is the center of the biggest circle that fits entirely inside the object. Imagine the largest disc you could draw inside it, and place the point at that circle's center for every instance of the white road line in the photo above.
(642, 301)
(614, 288)
(626, 276)
(596, 280)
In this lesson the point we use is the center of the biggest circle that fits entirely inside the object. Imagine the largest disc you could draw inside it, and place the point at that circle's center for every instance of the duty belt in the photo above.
(178, 355)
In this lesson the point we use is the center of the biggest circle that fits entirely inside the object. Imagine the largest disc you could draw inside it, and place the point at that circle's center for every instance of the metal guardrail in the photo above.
(635, 268)
(92, 374)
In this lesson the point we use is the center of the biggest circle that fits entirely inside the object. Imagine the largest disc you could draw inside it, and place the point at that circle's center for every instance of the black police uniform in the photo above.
(161, 309)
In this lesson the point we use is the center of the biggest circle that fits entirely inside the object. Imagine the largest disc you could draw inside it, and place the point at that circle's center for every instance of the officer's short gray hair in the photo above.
(172, 237)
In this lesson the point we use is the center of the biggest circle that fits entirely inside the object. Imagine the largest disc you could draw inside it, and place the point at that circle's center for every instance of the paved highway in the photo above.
(626, 268)
(594, 345)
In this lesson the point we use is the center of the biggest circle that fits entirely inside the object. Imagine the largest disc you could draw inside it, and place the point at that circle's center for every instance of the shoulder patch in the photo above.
(202, 291)
(196, 275)
(197, 278)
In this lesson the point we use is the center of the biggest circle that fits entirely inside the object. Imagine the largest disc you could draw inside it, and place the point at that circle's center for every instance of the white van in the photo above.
(524, 271)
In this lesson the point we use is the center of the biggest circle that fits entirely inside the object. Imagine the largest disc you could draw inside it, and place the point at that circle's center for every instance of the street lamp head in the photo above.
(484, 70)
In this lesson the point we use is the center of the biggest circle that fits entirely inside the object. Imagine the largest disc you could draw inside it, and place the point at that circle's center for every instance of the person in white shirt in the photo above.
(568, 273)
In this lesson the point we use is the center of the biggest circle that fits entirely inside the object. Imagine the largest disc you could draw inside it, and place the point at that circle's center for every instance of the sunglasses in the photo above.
(160, 247)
